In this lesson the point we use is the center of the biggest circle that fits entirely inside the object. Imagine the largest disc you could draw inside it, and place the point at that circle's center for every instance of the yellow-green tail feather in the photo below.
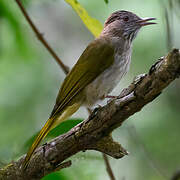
(50, 124)
(42, 134)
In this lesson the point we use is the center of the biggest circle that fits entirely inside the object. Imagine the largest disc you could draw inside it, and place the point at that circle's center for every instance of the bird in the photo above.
(98, 70)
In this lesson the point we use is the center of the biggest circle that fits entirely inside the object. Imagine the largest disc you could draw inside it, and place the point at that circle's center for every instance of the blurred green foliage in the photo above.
(106, 1)
(30, 79)
(13, 36)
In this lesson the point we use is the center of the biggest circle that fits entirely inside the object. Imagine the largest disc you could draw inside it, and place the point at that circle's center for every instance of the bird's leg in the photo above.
(94, 111)
(96, 108)
(44, 148)
(111, 97)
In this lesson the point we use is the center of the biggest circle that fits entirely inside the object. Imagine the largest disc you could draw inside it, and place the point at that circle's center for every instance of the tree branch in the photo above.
(41, 38)
(95, 132)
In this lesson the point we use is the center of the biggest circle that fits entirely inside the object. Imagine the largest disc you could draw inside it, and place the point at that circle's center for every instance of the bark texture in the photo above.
(95, 132)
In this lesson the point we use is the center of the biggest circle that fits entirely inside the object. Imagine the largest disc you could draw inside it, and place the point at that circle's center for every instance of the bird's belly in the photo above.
(106, 81)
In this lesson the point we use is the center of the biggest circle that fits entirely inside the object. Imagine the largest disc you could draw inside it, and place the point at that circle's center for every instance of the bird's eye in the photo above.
(126, 18)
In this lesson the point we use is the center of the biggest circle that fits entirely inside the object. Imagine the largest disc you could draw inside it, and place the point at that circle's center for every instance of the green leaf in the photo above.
(63, 127)
(94, 26)
(60, 129)
(55, 176)
(106, 1)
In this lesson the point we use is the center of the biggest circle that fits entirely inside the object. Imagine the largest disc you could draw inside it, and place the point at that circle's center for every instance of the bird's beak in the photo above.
(145, 22)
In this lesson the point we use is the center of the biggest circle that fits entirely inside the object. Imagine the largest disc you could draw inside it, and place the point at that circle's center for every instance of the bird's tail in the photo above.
(42, 134)
(50, 124)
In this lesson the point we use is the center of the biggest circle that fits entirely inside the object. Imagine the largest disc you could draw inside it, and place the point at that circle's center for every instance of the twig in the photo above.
(108, 167)
(95, 132)
(41, 39)
(169, 27)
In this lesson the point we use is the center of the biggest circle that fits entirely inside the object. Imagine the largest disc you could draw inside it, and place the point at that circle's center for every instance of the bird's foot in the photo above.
(111, 97)
(94, 112)
(44, 148)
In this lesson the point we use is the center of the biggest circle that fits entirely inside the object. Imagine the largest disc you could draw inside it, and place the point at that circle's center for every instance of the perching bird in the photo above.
(99, 69)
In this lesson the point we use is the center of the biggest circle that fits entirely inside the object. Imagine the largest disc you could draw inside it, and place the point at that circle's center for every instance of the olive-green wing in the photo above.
(98, 56)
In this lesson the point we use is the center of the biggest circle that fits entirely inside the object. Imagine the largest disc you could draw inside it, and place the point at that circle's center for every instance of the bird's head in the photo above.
(125, 24)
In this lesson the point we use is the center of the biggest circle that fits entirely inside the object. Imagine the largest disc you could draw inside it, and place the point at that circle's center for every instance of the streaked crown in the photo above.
(126, 24)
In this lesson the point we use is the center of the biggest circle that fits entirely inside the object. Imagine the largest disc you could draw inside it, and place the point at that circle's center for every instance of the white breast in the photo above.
(106, 81)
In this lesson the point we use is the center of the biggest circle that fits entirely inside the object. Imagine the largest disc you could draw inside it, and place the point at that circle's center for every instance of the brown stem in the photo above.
(41, 39)
(108, 167)
(95, 132)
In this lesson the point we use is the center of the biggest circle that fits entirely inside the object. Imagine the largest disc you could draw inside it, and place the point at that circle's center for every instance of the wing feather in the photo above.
(98, 56)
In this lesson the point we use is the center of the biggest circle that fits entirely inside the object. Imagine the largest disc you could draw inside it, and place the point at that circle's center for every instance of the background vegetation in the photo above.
(30, 80)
